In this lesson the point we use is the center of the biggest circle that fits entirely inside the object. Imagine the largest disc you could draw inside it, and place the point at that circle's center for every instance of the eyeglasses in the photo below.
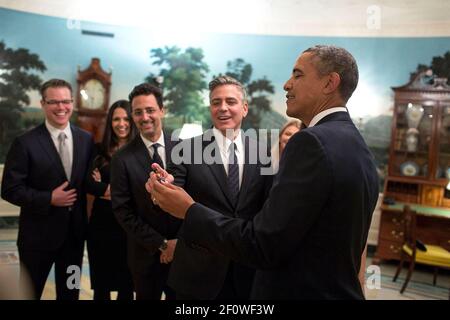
(140, 112)
(56, 102)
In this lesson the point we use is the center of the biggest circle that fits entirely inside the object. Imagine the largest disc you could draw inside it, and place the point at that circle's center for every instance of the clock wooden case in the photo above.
(92, 99)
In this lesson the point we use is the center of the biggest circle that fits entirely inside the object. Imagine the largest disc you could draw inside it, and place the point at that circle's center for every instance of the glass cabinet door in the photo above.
(412, 140)
(443, 165)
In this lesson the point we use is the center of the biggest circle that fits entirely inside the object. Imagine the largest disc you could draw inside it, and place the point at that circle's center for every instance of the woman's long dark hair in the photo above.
(110, 141)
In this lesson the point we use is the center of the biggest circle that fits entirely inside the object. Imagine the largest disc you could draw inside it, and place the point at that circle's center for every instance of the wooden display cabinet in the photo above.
(419, 165)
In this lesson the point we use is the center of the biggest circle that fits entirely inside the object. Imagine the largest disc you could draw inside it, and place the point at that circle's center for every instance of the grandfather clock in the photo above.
(93, 98)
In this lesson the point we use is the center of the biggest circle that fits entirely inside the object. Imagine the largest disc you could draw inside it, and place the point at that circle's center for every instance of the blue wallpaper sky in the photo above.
(383, 62)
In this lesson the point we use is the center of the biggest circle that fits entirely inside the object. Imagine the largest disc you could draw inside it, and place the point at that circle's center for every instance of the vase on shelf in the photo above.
(412, 139)
(414, 114)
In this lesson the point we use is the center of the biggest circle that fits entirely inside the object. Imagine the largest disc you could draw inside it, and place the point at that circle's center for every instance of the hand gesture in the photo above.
(62, 198)
(96, 175)
(162, 174)
(167, 255)
(107, 195)
(169, 197)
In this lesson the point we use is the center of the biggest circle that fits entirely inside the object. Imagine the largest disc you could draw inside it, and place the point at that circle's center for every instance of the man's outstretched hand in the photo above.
(168, 197)
(162, 174)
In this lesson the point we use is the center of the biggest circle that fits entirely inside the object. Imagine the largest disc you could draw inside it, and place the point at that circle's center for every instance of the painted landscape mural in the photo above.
(34, 48)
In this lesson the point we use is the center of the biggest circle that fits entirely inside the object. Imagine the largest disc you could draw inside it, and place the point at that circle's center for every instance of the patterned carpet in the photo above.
(419, 288)
(9, 262)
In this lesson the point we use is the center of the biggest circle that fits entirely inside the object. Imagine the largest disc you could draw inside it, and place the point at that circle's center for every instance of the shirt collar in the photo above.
(54, 132)
(149, 143)
(324, 113)
(224, 143)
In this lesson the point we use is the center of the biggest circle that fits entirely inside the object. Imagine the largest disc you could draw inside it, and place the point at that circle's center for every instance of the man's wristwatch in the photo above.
(163, 246)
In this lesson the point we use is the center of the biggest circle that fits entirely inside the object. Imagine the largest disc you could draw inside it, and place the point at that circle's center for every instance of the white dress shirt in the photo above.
(224, 147)
(161, 148)
(324, 113)
(54, 133)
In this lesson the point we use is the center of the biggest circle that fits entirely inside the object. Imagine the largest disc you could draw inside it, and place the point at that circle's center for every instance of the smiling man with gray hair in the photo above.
(225, 180)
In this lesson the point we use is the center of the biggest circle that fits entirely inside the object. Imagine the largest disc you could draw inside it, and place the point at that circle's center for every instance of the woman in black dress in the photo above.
(106, 241)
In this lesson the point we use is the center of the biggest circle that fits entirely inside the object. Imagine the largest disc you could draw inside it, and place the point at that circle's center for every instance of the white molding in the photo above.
(335, 18)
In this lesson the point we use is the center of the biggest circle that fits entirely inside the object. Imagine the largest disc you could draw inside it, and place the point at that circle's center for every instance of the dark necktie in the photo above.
(156, 157)
(233, 173)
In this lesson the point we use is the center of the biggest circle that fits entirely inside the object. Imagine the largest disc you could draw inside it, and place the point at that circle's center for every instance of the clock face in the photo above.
(92, 95)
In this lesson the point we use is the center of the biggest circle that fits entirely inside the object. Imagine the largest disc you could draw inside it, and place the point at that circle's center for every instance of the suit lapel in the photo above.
(142, 154)
(76, 152)
(46, 142)
(169, 144)
(249, 171)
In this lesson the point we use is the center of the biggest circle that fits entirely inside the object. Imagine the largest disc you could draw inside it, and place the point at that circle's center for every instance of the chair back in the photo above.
(409, 224)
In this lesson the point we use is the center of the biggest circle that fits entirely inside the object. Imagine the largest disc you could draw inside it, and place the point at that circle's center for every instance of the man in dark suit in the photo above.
(198, 273)
(151, 233)
(44, 174)
(308, 239)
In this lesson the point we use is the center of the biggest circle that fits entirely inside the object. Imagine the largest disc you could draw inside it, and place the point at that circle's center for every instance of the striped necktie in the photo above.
(233, 173)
